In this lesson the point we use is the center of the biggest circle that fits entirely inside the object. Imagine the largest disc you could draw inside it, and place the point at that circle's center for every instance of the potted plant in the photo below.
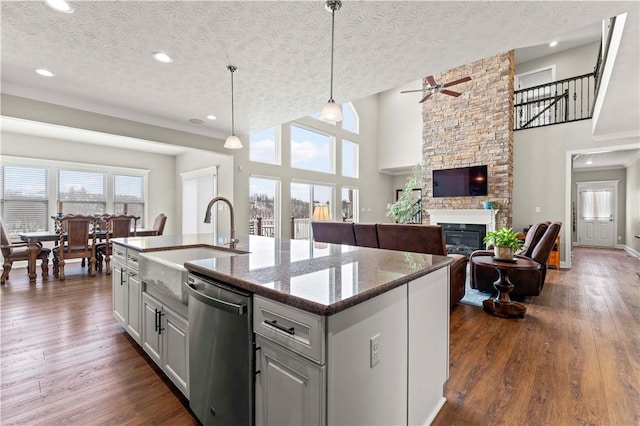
(407, 207)
(505, 242)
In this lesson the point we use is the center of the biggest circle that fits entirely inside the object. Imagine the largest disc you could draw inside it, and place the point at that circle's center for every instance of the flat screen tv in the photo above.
(460, 182)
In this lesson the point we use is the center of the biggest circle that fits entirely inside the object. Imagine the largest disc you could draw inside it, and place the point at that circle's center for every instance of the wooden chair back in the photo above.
(158, 224)
(79, 236)
(4, 240)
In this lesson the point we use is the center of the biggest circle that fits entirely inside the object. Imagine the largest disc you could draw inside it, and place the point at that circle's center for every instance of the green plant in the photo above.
(504, 237)
(405, 209)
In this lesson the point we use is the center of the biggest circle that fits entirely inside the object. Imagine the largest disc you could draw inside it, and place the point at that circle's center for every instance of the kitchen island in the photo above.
(343, 334)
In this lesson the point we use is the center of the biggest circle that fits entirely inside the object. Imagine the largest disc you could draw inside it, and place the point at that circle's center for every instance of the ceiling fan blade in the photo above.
(425, 98)
(450, 93)
(454, 82)
(431, 81)
(410, 91)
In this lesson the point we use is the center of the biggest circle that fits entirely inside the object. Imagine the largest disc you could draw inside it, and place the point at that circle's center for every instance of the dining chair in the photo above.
(116, 226)
(15, 251)
(78, 240)
(159, 222)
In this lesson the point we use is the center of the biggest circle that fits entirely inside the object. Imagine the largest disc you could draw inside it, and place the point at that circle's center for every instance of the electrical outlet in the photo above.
(374, 350)
(538, 209)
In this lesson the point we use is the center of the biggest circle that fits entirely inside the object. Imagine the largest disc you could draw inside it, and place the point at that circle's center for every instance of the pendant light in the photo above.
(232, 142)
(332, 112)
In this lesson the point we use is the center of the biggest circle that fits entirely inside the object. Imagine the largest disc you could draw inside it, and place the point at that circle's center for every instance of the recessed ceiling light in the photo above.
(589, 161)
(44, 72)
(60, 6)
(196, 121)
(554, 43)
(211, 117)
(162, 57)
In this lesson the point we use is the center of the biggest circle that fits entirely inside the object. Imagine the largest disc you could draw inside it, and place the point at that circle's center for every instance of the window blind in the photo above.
(129, 190)
(82, 192)
(24, 199)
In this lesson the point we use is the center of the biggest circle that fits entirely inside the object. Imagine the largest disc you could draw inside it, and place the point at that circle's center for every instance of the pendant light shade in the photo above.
(332, 112)
(232, 142)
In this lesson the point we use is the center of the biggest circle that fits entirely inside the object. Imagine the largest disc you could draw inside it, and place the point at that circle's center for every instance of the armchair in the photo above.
(15, 251)
(538, 245)
(159, 222)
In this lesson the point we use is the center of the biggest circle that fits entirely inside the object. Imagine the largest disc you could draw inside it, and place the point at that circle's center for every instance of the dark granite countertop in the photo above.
(316, 277)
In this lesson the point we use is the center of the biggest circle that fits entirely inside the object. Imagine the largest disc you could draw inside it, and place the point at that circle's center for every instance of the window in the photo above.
(82, 192)
(350, 120)
(349, 159)
(349, 204)
(263, 207)
(305, 198)
(128, 191)
(25, 199)
(264, 147)
(311, 150)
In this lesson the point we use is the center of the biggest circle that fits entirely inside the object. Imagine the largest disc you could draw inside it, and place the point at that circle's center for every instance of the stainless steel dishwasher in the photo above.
(221, 353)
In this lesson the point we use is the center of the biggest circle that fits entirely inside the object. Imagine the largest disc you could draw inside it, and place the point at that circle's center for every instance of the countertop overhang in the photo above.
(316, 277)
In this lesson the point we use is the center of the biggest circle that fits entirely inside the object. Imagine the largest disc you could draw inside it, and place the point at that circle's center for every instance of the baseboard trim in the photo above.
(631, 251)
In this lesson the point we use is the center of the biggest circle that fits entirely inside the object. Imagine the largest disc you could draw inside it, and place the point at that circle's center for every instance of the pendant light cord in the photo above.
(232, 69)
(333, 18)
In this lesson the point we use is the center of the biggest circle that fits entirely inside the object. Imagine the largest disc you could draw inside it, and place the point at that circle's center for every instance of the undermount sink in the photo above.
(165, 269)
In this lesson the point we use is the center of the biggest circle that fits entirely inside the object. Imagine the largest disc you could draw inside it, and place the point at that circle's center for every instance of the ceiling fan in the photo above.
(434, 87)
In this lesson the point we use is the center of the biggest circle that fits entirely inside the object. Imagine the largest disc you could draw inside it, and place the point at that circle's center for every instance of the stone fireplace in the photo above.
(464, 230)
(475, 128)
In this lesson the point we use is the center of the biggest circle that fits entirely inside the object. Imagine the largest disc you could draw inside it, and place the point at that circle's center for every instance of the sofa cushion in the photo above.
(333, 232)
(366, 235)
(416, 238)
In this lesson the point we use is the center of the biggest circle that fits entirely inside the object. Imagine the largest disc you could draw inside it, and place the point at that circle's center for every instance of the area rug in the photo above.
(473, 297)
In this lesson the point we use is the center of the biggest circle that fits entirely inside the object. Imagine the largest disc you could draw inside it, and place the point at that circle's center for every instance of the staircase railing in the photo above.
(603, 53)
(562, 101)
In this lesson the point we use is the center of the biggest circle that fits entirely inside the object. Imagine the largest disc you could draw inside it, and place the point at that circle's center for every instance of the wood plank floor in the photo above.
(573, 360)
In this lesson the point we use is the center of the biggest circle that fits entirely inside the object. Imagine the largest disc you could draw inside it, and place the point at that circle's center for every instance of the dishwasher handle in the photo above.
(233, 308)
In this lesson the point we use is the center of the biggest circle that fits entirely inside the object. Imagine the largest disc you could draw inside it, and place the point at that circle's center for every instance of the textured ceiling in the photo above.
(101, 54)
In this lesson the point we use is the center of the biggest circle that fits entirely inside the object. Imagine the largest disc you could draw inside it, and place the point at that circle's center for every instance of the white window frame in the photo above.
(54, 166)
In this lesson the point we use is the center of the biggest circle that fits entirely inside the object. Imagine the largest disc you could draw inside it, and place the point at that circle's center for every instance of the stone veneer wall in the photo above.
(472, 129)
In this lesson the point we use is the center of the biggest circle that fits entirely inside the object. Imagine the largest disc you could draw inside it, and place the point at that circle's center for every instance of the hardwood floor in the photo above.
(573, 360)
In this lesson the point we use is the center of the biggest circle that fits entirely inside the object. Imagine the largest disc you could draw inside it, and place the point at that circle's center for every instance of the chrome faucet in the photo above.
(207, 219)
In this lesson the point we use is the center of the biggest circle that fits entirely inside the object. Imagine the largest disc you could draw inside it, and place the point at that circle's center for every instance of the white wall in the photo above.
(633, 207)
(161, 167)
(400, 128)
(569, 63)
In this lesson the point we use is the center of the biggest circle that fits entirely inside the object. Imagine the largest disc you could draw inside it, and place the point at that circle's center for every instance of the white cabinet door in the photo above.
(151, 339)
(290, 390)
(175, 349)
(119, 290)
(134, 300)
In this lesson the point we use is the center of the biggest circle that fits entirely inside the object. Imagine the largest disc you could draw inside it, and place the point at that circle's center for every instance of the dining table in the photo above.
(35, 238)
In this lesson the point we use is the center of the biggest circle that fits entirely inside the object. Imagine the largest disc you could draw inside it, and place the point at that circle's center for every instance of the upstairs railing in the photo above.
(562, 101)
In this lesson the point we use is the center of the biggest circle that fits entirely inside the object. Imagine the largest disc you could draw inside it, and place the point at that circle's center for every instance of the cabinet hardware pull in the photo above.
(274, 323)
(156, 313)
(121, 276)
(160, 328)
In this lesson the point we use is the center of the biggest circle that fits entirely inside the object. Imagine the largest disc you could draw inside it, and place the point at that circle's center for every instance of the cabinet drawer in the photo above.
(119, 254)
(297, 330)
(132, 260)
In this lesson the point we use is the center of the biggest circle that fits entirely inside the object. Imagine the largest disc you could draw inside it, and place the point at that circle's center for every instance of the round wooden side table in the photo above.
(502, 306)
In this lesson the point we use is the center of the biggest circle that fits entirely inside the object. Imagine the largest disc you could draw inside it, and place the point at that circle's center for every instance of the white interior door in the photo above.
(597, 213)
(198, 188)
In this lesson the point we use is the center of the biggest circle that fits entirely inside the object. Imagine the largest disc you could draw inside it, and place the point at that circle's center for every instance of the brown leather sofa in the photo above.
(428, 239)
(538, 244)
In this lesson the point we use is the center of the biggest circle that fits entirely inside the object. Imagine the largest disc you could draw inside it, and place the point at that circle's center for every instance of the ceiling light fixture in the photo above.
(589, 161)
(44, 72)
(332, 112)
(211, 117)
(162, 57)
(60, 6)
(232, 142)
(554, 43)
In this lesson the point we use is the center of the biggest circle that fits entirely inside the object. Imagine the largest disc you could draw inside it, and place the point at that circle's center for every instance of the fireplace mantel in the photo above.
(477, 217)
